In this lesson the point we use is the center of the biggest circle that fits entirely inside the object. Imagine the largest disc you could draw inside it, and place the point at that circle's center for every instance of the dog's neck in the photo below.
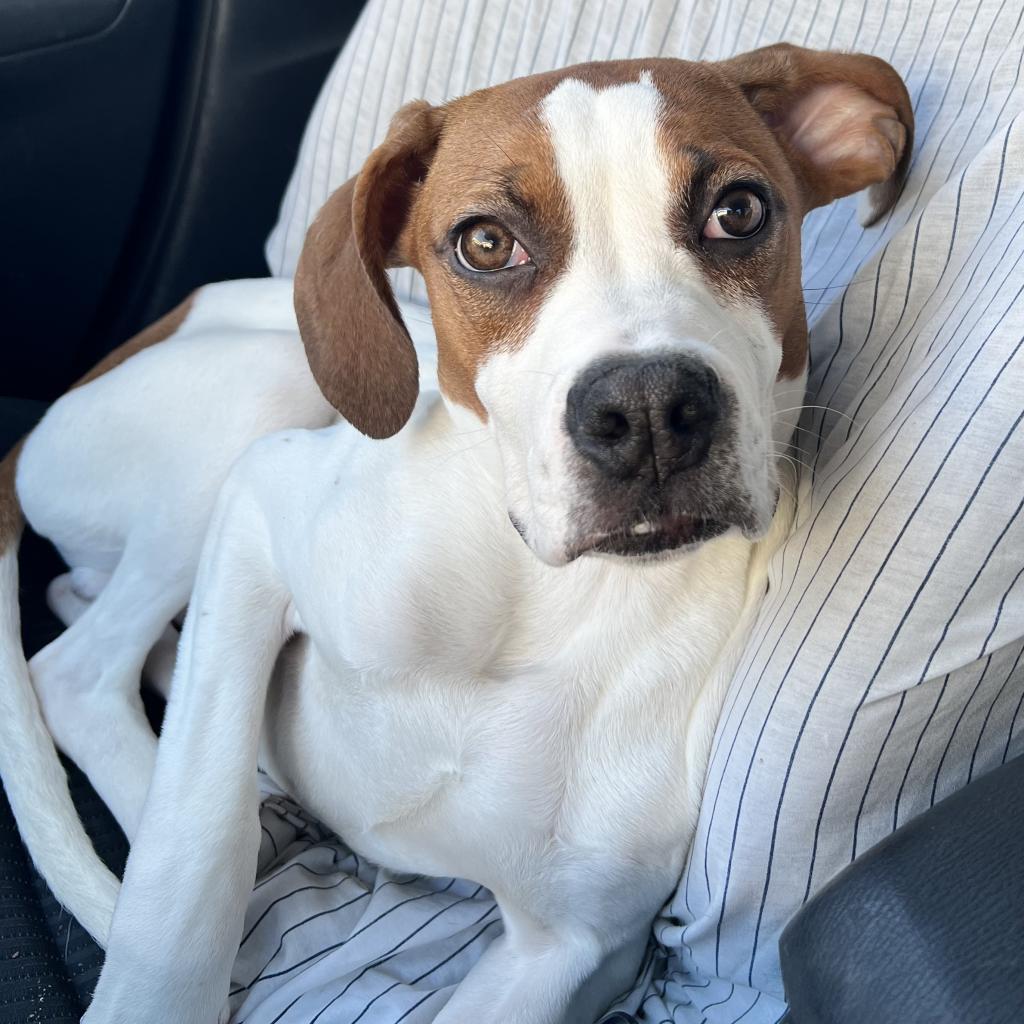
(451, 588)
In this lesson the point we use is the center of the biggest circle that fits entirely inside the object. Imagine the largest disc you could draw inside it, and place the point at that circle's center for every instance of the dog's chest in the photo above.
(529, 731)
(497, 781)
(455, 707)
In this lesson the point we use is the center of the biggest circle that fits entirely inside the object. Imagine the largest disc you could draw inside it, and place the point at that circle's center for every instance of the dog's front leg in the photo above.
(178, 921)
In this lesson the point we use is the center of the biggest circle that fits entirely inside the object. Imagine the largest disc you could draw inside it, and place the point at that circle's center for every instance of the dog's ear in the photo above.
(358, 348)
(844, 119)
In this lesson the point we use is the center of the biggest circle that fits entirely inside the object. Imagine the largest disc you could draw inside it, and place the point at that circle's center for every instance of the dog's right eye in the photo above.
(486, 246)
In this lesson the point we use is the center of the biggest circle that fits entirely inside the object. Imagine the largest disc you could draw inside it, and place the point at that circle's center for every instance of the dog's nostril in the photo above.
(684, 415)
(610, 426)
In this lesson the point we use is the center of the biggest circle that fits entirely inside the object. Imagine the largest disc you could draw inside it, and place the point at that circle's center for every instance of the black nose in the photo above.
(636, 416)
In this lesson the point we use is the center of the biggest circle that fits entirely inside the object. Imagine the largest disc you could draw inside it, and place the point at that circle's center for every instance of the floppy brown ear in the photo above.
(844, 119)
(358, 348)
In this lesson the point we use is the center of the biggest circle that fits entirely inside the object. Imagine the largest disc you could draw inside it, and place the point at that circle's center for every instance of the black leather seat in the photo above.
(927, 927)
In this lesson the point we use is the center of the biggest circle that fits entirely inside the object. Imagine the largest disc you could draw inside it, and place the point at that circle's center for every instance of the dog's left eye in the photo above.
(486, 246)
(739, 213)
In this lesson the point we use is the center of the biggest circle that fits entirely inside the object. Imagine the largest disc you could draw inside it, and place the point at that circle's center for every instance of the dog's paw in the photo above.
(63, 601)
(87, 583)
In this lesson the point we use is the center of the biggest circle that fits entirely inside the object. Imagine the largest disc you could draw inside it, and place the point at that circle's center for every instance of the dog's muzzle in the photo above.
(657, 465)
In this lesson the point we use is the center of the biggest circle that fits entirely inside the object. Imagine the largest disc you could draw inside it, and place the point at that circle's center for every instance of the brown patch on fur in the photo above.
(484, 155)
(488, 155)
(11, 519)
(733, 116)
(719, 108)
(495, 161)
(719, 145)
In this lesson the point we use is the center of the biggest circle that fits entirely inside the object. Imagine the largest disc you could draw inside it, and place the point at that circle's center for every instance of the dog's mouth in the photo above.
(651, 536)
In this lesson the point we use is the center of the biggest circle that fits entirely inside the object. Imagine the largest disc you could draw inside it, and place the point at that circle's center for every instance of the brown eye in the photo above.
(740, 213)
(485, 247)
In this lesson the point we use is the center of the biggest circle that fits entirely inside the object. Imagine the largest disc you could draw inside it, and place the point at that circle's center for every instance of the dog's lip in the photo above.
(650, 536)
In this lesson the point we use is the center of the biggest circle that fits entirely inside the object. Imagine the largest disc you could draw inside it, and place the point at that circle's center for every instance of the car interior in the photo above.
(145, 146)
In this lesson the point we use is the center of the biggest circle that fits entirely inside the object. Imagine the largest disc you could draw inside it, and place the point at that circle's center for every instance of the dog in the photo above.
(501, 602)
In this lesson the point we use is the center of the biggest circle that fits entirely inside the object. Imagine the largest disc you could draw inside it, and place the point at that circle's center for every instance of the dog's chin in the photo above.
(644, 538)
(656, 537)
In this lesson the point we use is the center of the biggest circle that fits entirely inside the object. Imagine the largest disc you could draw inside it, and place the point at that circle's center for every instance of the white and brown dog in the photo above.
(503, 632)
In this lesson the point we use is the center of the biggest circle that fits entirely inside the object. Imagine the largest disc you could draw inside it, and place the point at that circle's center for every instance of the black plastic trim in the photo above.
(27, 26)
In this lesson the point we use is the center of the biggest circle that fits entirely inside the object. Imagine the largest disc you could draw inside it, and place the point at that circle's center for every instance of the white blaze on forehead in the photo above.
(608, 157)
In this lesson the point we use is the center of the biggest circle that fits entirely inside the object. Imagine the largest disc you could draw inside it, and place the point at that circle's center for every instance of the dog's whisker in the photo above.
(785, 490)
(795, 462)
(837, 287)
(826, 408)
(806, 430)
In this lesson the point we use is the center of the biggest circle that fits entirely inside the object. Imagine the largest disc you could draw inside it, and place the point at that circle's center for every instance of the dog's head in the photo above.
(612, 253)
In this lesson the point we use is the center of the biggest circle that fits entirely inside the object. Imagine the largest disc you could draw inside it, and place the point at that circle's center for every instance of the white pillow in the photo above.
(885, 669)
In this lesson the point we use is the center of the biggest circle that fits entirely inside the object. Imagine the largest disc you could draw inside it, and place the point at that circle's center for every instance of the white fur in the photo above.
(541, 730)
(87, 478)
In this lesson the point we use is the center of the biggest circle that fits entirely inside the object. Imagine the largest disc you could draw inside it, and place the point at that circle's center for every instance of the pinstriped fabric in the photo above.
(886, 667)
